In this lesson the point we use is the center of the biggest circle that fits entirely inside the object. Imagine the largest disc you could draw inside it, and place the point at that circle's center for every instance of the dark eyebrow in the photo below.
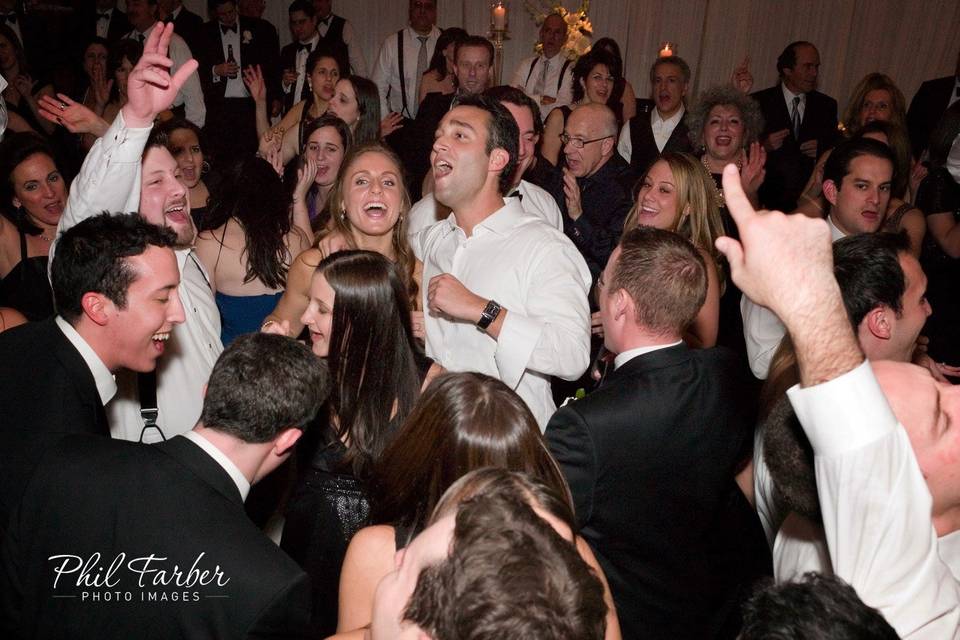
(461, 123)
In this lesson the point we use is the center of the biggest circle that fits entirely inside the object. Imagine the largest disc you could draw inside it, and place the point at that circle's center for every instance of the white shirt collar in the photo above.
(672, 121)
(176, 12)
(630, 354)
(835, 232)
(106, 383)
(243, 485)
(788, 96)
(313, 40)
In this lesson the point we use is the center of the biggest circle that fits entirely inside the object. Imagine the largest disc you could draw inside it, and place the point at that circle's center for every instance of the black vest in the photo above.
(333, 41)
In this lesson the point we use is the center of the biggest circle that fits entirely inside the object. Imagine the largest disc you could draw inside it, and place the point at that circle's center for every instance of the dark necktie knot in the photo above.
(224, 29)
(303, 47)
(423, 39)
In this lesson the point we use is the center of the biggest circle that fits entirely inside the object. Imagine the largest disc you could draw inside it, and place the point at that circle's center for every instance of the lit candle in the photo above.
(667, 50)
(499, 16)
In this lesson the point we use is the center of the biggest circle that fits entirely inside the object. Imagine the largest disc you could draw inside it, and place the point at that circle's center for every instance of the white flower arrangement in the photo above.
(247, 36)
(579, 27)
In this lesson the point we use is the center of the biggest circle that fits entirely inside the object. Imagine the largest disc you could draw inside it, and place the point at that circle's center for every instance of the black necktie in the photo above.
(303, 47)
(224, 29)
(10, 17)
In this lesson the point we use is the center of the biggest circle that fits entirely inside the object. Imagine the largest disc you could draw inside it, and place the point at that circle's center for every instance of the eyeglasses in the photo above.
(578, 143)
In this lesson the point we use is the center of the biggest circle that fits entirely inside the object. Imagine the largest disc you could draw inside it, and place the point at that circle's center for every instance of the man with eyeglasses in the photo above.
(592, 184)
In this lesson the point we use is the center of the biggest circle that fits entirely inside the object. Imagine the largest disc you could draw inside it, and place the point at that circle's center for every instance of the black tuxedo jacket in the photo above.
(644, 150)
(259, 50)
(189, 26)
(119, 26)
(650, 458)
(46, 392)
(126, 500)
(787, 168)
(926, 109)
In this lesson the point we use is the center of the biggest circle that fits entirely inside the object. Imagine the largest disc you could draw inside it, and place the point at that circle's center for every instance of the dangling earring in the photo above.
(204, 168)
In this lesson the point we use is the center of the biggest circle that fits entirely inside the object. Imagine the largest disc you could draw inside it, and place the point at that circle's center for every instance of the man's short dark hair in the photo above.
(159, 137)
(665, 276)
(676, 61)
(509, 575)
(92, 257)
(263, 384)
(473, 41)
(838, 164)
(512, 95)
(817, 607)
(213, 5)
(788, 57)
(502, 133)
(867, 268)
(306, 6)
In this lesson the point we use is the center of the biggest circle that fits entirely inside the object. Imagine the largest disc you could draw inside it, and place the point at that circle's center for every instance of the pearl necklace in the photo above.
(721, 201)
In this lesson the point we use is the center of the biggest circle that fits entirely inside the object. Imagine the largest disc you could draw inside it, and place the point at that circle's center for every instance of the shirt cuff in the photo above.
(125, 144)
(213, 74)
(843, 414)
(518, 338)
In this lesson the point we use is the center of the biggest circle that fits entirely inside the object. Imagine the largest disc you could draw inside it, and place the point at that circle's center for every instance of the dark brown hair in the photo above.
(462, 422)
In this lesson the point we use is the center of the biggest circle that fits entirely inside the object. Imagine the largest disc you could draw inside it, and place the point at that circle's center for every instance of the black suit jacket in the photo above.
(189, 26)
(650, 458)
(644, 151)
(46, 392)
(926, 109)
(259, 50)
(127, 500)
(787, 168)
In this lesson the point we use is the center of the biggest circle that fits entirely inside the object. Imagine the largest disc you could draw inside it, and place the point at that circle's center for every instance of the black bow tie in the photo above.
(224, 29)
(516, 194)
(324, 21)
(303, 47)
(9, 17)
(103, 16)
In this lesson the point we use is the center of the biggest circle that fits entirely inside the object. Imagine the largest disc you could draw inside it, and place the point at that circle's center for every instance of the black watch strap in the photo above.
(489, 314)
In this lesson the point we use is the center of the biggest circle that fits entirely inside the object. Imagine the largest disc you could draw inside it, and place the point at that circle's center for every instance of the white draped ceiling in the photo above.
(910, 40)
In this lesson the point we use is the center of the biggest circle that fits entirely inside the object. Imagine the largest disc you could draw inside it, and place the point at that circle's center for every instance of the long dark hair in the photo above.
(16, 148)
(438, 63)
(373, 356)
(463, 421)
(585, 65)
(312, 61)
(368, 104)
(619, 81)
(256, 201)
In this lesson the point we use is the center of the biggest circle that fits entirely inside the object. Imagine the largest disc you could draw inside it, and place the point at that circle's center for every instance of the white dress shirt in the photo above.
(243, 485)
(190, 93)
(876, 506)
(301, 66)
(524, 79)
(386, 74)
(103, 23)
(358, 64)
(106, 385)
(762, 329)
(536, 201)
(628, 355)
(235, 87)
(109, 180)
(541, 281)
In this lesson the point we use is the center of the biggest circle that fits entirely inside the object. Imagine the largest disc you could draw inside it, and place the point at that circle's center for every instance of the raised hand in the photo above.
(100, 87)
(752, 173)
(571, 192)
(305, 178)
(253, 78)
(150, 87)
(391, 123)
(75, 117)
(741, 78)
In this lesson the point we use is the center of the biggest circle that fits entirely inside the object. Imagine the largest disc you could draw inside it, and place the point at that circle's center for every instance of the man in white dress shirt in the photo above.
(548, 77)
(885, 452)
(403, 59)
(533, 199)
(856, 183)
(125, 171)
(506, 294)
(142, 17)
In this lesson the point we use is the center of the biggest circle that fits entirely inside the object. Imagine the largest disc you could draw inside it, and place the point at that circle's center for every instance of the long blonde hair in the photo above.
(340, 223)
(698, 218)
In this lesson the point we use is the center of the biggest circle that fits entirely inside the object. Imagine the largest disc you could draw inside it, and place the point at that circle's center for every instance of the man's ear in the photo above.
(285, 440)
(96, 306)
(830, 190)
(878, 322)
(498, 159)
(623, 304)
(608, 145)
